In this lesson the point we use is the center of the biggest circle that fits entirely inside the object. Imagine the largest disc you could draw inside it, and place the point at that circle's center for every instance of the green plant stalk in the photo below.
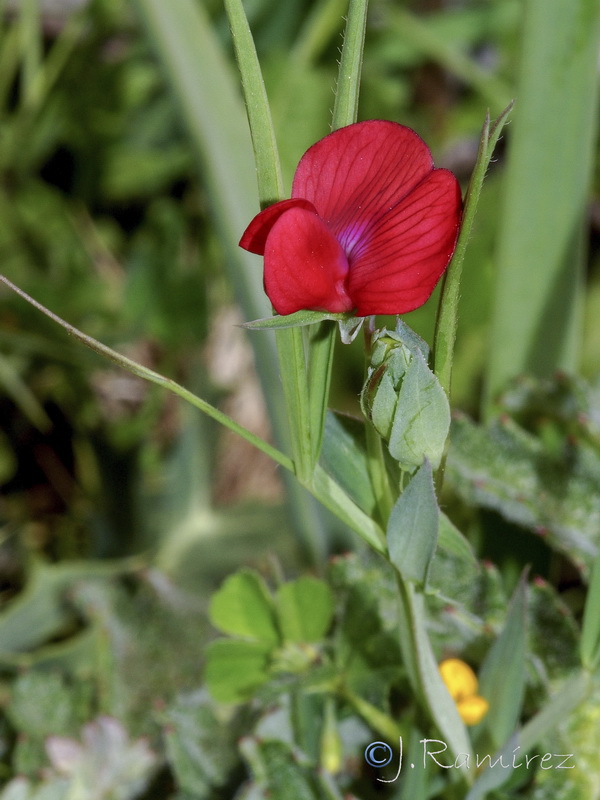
(320, 345)
(290, 342)
(571, 694)
(333, 497)
(294, 377)
(207, 92)
(444, 338)
(345, 109)
(345, 112)
(268, 169)
(38, 84)
(378, 473)
(447, 316)
(322, 487)
(417, 653)
(423, 671)
(154, 377)
(56, 60)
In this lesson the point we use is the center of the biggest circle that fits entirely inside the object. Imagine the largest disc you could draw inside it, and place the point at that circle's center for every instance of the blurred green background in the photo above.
(126, 179)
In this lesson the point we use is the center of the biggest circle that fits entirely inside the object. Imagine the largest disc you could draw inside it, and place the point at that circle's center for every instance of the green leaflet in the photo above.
(236, 668)
(305, 609)
(243, 607)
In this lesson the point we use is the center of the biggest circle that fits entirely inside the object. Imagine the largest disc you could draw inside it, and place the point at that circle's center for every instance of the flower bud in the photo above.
(404, 400)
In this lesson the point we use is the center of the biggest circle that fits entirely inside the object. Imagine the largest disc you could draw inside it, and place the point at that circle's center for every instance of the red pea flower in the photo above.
(370, 228)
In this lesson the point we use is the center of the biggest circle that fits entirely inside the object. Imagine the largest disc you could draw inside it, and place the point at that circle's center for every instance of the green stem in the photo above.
(589, 645)
(31, 44)
(290, 344)
(321, 345)
(447, 316)
(420, 662)
(446, 323)
(333, 497)
(345, 110)
(376, 466)
(268, 169)
(159, 380)
(320, 485)
(572, 694)
(378, 473)
(292, 362)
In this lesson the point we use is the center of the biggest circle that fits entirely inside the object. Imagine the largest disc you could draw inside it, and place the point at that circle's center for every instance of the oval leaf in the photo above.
(243, 607)
(305, 609)
(235, 669)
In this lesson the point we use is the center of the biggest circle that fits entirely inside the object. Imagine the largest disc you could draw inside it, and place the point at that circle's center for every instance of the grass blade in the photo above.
(447, 318)
(345, 112)
(536, 318)
(207, 92)
(154, 377)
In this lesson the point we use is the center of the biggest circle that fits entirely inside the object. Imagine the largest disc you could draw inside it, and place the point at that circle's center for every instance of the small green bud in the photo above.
(404, 400)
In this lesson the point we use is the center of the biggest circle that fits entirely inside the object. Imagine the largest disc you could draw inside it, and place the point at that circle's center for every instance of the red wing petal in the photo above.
(305, 267)
(395, 268)
(358, 172)
(255, 235)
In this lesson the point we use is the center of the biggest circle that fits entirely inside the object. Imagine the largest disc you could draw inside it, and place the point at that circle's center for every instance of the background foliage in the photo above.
(126, 178)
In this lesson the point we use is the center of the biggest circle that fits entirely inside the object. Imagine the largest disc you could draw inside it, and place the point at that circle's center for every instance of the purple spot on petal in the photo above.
(352, 237)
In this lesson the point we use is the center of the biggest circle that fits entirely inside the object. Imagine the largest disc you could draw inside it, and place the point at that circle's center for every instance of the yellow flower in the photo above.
(461, 682)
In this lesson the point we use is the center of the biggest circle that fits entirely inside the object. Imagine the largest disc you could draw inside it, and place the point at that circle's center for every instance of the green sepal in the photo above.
(299, 319)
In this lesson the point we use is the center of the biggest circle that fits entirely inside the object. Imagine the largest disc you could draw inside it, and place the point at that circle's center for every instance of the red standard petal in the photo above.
(396, 266)
(305, 267)
(358, 172)
(255, 235)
